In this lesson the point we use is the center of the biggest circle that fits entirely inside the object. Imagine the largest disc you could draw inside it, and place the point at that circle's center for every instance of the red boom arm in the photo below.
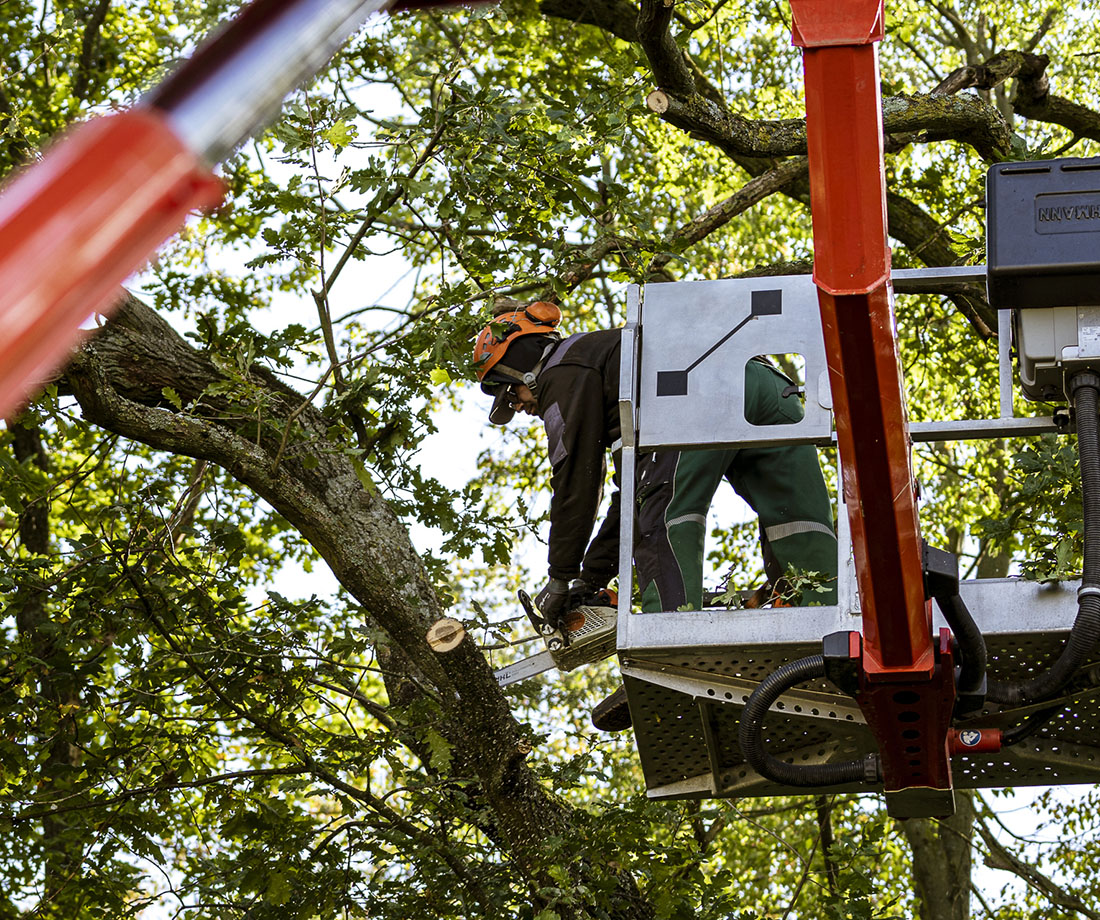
(907, 690)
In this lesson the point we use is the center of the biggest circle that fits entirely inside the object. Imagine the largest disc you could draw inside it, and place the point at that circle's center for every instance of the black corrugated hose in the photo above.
(1030, 725)
(970, 640)
(1084, 389)
(750, 734)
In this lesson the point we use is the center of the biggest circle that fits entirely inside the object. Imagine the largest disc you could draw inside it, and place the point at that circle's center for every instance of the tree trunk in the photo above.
(62, 845)
(942, 861)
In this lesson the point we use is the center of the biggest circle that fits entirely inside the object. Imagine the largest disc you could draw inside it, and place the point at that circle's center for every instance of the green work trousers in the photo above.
(783, 485)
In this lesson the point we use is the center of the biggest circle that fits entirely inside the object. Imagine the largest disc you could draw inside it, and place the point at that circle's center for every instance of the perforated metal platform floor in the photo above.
(687, 676)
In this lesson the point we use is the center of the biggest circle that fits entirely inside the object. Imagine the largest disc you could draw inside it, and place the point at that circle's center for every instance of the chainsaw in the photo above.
(588, 635)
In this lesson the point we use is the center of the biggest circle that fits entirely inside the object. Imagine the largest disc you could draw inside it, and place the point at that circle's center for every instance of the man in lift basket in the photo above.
(573, 386)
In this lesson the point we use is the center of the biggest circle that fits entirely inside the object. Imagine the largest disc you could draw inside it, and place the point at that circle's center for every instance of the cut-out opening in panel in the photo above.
(775, 397)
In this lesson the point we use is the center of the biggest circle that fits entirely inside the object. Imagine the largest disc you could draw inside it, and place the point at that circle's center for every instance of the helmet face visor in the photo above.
(503, 410)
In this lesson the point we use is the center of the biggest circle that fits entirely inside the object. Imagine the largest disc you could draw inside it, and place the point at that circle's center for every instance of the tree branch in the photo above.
(380, 204)
(617, 17)
(1033, 97)
(666, 60)
(929, 117)
(130, 794)
(751, 193)
(89, 44)
(999, 857)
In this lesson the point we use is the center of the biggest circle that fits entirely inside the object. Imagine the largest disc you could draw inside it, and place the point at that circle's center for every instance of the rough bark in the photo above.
(942, 861)
(667, 60)
(927, 117)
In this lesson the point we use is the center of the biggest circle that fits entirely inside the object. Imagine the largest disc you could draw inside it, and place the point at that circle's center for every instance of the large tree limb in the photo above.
(1028, 67)
(966, 119)
(733, 134)
(1033, 97)
(118, 377)
(617, 17)
(931, 117)
(687, 101)
(667, 60)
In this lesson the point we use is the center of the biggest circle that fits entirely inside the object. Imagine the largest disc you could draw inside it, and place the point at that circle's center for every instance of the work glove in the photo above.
(585, 594)
(553, 603)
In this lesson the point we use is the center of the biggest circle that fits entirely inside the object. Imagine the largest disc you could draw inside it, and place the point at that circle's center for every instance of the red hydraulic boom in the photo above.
(906, 686)
(76, 224)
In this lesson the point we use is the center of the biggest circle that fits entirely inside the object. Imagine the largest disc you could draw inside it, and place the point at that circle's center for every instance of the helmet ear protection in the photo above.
(538, 318)
(543, 313)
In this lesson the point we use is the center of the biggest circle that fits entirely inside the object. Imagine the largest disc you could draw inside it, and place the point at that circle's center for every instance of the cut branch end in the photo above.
(657, 101)
(445, 635)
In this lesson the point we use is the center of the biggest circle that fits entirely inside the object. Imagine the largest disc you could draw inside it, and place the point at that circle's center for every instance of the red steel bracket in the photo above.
(911, 721)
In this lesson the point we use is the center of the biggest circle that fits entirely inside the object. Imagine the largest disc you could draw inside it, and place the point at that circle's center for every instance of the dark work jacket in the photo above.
(578, 397)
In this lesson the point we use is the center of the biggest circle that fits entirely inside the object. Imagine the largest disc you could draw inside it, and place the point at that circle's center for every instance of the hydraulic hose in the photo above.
(751, 734)
(971, 643)
(1030, 725)
(1084, 390)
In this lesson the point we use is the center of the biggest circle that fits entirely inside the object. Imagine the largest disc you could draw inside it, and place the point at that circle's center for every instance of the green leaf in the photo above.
(340, 134)
(278, 889)
(172, 396)
(364, 476)
(441, 750)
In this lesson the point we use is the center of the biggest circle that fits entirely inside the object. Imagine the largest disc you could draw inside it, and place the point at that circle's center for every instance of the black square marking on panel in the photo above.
(767, 303)
(672, 383)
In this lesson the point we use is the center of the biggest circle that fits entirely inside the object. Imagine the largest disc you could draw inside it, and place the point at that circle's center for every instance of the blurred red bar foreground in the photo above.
(75, 225)
(108, 193)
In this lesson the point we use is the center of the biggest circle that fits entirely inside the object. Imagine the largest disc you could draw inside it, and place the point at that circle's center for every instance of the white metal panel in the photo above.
(697, 338)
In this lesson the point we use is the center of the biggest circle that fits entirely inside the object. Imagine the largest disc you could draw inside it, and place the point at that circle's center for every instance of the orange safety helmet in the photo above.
(539, 318)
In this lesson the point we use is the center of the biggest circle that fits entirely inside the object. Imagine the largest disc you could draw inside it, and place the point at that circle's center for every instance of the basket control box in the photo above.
(1043, 255)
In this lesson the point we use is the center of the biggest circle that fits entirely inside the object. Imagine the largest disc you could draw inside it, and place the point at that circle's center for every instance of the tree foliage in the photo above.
(183, 735)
